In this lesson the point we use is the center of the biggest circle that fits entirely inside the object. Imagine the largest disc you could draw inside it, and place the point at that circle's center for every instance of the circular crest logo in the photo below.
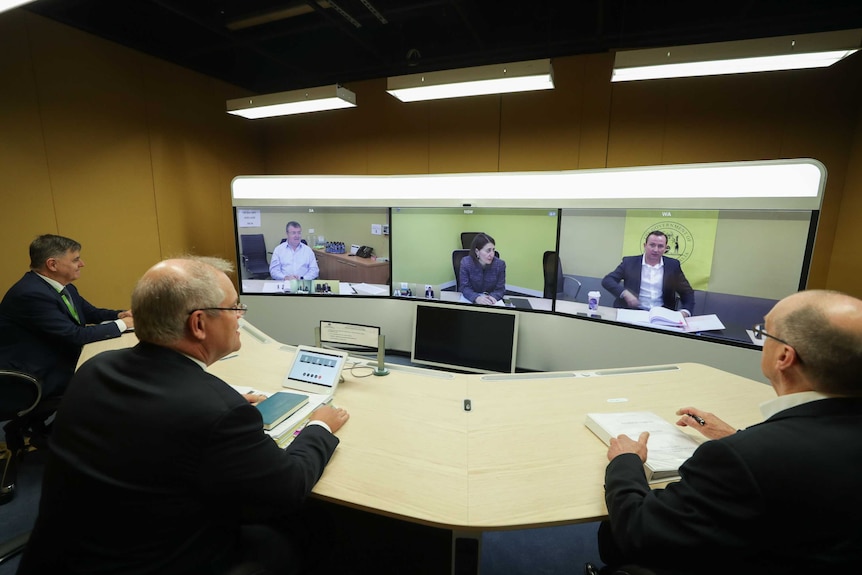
(680, 242)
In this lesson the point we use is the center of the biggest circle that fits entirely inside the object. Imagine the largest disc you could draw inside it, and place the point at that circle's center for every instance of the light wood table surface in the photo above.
(521, 457)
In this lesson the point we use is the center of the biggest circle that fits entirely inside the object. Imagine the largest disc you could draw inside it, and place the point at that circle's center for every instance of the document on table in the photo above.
(668, 446)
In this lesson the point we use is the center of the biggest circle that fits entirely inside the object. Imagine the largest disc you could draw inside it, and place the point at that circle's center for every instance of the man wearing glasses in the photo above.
(782, 496)
(167, 465)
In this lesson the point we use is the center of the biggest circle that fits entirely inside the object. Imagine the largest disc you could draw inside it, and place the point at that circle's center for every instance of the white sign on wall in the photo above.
(248, 218)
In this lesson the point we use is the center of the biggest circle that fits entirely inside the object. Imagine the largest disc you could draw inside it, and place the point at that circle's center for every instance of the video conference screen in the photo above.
(429, 244)
(315, 250)
(739, 263)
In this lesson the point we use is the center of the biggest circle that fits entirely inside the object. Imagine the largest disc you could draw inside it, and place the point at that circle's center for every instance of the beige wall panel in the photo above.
(25, 188)
(328, 142)
(845, 265)
(464, 135)
(94, 118)
(541, 130)
(637, 124)
(395, 132)
(819, 125)
(191, 135)
(595, 110)
(716, 119)
(96, 135)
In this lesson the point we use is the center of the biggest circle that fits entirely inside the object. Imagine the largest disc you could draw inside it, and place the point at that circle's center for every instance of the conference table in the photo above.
(520, 457)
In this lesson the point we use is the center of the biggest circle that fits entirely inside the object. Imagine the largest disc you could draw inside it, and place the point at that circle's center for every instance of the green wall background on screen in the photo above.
(423, 240)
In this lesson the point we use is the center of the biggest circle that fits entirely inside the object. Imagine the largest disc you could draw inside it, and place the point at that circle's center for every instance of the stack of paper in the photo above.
(667, 448)
(669, 319)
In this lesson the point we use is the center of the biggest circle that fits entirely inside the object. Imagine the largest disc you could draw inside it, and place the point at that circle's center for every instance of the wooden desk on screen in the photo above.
(351, 269)
(521, 458)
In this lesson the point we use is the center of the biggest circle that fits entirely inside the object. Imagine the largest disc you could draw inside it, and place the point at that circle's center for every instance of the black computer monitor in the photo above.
(460, 337)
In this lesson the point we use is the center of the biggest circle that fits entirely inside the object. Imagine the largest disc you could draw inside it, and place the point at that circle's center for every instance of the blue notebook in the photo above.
(279, 406)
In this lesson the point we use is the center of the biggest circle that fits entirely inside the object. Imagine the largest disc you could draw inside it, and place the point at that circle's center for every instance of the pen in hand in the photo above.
(698, 419)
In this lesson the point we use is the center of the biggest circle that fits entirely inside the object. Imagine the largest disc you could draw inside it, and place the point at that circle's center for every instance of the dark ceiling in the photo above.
(274, 45)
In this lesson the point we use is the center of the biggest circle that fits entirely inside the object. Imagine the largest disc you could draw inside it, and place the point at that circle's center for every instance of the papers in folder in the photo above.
(369, 289)
(663, 319)
(668, 447)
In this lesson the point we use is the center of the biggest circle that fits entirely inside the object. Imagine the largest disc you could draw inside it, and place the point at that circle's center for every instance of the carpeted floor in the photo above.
(17, 516)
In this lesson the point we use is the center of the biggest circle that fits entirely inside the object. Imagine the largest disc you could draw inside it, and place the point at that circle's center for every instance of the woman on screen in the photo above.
(482, 276)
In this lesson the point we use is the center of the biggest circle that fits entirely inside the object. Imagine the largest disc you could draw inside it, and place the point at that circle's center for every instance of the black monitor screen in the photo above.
(459, 337)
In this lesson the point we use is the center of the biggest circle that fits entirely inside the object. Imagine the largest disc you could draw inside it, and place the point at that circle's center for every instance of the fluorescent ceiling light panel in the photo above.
(294, 102)
(9, 4)
(759, 55)
(477, 81)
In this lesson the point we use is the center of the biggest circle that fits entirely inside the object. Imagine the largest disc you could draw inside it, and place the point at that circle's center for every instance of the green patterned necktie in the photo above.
(68, 301)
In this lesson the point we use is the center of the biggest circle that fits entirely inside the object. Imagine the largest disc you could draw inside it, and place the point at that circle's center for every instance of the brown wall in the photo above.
(134, 157)
(129, 155)
(586, 122)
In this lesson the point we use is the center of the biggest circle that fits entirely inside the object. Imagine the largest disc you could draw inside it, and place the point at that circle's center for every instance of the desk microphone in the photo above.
(381, 352)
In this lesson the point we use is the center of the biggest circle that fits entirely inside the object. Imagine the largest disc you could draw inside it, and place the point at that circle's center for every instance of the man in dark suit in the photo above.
(650, 280)
(781, 496)
(166, 465)
(44, 322)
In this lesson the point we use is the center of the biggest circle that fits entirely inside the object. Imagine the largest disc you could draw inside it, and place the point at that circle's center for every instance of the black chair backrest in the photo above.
(553, 274)
(254, 255)
(19, 394)
(467, 239)
(253, 246)
(457, 256)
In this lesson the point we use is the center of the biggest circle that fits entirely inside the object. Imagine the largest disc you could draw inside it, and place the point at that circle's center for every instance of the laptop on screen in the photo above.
(315, 371)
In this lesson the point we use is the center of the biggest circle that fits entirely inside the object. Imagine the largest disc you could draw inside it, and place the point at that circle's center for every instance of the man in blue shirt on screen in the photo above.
(292, 259)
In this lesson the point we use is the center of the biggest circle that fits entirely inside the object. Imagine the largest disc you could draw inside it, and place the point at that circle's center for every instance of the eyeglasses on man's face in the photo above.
(760, 332)
(239, 309)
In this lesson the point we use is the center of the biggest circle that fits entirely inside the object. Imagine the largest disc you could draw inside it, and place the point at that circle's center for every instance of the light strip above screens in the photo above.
(9, 4)
(739, 57)
(477, 81)
(794, 184)
(318, 99)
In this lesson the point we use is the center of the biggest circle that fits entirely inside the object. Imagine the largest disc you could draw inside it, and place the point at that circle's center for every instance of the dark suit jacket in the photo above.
(629, 273)
(782, 497)
(156, 464)
(39, 336)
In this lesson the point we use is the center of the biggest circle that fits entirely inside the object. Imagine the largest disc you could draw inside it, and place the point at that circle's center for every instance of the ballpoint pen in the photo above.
(700, 420)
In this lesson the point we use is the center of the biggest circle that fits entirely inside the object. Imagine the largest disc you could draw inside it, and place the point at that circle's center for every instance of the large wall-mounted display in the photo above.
(742, 234)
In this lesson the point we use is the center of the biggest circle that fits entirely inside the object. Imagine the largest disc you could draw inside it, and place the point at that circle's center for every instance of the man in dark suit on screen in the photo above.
(44, 323)
(650, 280)
(166, 465)
(780, 497)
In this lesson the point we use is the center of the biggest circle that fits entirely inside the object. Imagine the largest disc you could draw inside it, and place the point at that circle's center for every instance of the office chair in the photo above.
(14, 546)
(457, 256)
(19, 395)
(558, 284)
(467, 239)
(254, 255)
